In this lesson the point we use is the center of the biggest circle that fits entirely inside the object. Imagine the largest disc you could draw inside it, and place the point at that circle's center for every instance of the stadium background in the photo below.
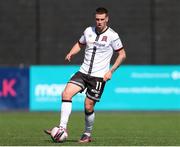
(141, 102)
(42, 31)
(36, 35)
(39, 33)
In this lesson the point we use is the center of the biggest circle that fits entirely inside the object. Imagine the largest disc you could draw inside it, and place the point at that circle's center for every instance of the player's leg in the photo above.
(89, 120)
(94, 91)
(75, 85)
(66, 106)
(89, 115)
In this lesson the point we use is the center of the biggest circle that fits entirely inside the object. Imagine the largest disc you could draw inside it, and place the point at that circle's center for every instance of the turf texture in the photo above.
(110, 129)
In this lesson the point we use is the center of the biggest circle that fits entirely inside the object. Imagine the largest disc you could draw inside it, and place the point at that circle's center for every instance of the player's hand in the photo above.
(68, 57)
(107, 76)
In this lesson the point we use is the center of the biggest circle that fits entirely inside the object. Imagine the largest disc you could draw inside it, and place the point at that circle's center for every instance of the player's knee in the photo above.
(66, 95)
(89, 108)
(89, 111)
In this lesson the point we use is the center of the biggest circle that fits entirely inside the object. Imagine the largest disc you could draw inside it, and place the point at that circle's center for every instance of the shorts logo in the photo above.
(95, 91)
(96, 95)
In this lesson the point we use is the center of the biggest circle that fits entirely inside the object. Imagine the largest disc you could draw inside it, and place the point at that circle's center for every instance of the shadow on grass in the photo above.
(69, 140)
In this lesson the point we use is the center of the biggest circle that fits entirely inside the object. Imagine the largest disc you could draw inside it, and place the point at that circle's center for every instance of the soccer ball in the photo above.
(58, 134)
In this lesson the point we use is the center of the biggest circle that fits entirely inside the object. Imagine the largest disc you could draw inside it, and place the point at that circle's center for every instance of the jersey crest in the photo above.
(104, 38)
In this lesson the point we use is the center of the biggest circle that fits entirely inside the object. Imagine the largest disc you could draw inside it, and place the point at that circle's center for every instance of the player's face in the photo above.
(101, 21)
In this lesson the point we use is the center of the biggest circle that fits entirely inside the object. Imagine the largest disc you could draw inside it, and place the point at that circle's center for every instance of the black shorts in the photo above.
(94, 85)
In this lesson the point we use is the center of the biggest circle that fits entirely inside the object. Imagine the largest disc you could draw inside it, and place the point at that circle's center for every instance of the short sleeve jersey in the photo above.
(99, 50)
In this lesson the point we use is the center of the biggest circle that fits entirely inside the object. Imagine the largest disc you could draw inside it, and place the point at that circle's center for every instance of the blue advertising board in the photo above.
(131, 88)
(14, 88)
(46, 86)
(143, 88)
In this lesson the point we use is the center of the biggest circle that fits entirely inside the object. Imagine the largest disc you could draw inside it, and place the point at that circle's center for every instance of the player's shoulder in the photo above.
(90, 29)
(111, 31)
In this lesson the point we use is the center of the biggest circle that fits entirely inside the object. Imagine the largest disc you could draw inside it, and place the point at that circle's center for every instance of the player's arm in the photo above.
(120, 58)
(75, 49)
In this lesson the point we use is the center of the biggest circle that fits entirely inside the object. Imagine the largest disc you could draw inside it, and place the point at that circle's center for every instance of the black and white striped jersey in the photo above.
(99, 50)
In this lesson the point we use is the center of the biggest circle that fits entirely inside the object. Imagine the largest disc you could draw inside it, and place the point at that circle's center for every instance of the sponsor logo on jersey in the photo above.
(99, 44)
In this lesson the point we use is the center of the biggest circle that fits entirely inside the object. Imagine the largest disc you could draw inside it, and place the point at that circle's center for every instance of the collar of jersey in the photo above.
(101, 32)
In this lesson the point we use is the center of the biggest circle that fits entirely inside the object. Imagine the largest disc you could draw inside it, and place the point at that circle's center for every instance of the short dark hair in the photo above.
(101, 10)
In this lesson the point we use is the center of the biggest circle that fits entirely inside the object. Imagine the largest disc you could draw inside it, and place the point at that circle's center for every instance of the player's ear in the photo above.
(107, 18)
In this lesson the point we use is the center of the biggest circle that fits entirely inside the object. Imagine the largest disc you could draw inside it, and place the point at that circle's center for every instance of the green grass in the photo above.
(111, 129)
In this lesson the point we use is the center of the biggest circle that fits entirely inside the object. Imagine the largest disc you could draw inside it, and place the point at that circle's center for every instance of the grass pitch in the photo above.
(110, 129)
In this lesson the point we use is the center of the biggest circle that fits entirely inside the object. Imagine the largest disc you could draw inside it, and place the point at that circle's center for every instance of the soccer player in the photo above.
(99, 43)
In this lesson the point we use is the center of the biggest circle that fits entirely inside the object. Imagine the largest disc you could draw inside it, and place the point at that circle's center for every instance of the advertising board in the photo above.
(131, 88)
(14, 88)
